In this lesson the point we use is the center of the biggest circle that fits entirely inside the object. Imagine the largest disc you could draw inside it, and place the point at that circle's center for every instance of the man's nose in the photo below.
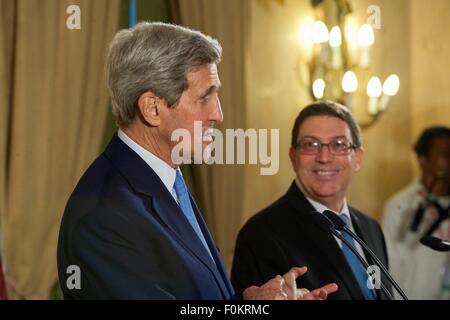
(216, 114)
(324, 154)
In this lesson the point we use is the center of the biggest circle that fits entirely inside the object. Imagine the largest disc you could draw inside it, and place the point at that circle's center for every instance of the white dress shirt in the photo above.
(166, 173)
(344, 211)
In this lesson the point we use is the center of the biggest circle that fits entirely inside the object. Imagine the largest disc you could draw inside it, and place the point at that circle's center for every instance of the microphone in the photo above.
(341, 226)
(328, 226)
(435, 243)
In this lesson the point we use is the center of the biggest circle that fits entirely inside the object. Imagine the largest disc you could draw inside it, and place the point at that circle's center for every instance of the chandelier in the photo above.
(340, 60)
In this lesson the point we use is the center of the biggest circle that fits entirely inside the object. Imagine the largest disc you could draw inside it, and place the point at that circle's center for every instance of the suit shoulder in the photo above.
(268, 218)
(96, 176)
(362, 216)
(101, 192)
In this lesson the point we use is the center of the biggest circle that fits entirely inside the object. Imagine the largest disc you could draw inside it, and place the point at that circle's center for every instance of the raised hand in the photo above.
(285, 288)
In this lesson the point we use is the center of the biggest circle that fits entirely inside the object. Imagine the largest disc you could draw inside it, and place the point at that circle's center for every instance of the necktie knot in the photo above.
(345, 219)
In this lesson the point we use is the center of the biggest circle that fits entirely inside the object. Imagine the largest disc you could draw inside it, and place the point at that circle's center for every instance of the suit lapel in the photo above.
(146, 182)
(223, 280)
(363, 231)
(324, 242)
(173, 218)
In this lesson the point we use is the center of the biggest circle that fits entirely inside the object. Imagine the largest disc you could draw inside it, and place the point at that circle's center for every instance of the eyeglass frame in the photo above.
(351, 146)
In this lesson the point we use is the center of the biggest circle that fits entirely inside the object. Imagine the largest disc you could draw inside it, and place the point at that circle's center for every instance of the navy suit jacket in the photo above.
(130, 239)
(284, 235)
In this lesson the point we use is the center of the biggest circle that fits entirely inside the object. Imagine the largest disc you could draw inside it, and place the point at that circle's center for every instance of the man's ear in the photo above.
(292, 156)
(149, 104)
(359, 155)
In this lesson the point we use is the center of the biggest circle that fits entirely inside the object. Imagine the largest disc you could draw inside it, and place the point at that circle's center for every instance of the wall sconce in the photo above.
(339, 65)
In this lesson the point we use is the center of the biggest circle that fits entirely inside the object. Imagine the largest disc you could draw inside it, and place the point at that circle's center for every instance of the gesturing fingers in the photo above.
(323, 292)
(328, 288)
(271, 290)
(295, 272)
(285, 288)
(290, 285)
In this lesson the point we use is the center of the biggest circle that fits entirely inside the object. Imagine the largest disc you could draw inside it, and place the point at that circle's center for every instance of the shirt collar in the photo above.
(320, 207)
(166, 173)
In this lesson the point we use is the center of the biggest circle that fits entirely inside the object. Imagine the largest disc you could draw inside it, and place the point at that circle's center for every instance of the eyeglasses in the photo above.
(337, 147)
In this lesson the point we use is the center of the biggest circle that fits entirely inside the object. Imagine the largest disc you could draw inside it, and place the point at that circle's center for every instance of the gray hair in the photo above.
(154, 57)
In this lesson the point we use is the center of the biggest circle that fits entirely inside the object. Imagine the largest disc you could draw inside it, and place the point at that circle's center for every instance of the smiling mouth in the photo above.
(325, 173)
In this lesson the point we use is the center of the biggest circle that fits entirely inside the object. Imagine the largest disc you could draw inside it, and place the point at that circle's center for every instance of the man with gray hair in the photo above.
(130, 228)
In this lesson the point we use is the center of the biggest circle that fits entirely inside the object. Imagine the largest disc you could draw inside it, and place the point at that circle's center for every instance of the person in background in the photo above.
(422, 208)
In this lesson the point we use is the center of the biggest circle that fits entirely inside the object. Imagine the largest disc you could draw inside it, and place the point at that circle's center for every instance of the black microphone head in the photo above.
(435, 243)
(339, 224)
(323, 222)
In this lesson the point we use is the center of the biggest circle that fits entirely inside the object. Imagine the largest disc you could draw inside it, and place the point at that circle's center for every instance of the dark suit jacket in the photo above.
(130, 239)
(284, 235)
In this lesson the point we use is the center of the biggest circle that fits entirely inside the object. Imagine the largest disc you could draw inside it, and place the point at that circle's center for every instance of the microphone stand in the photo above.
(363, 262)
(379, 263)
(337, 222)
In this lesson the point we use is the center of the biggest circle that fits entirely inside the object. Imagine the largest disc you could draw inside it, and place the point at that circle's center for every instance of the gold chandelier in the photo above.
(339, 64)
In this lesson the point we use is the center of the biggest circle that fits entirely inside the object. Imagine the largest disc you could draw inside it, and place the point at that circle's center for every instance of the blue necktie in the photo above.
(185, 205)
(354, 263)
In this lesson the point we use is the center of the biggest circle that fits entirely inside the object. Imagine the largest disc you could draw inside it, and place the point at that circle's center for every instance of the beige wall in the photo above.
(409, 43)
(274, 90)
(387, 163)
(430, 65)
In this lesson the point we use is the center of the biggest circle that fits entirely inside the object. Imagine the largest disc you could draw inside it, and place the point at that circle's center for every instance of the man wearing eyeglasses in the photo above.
(325, 152)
